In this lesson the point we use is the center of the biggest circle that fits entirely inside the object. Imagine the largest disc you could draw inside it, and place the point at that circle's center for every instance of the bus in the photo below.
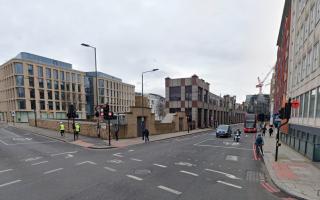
(250, 123)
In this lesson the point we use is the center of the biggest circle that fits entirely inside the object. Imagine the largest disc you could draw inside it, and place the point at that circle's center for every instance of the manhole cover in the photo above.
(142, 171)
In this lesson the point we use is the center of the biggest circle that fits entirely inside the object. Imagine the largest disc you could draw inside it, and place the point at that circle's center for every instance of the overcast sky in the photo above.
(227, 43)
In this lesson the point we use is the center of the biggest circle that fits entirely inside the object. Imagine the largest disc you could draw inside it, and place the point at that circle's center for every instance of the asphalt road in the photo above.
(193, 167)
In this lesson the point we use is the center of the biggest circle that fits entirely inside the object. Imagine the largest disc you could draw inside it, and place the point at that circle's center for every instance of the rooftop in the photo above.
(103, 75)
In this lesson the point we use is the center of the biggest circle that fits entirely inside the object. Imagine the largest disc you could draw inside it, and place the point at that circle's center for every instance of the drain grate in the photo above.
(255, 176)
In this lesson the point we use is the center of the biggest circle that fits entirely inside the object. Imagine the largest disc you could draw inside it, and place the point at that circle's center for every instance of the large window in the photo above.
(73, 77)
(188, 91)
(175, 93)
(57, 105)
(41, 94)
(55, 74)
(30, 70)
(20, 92)
(48, 73)
(101, 83)
(200, 94)
(101, 100)
(32, 93)
(306, 104)
(56, 95)
(78, 78)
(40, 71)
(31, 82)
(49, 94)
(79, 88)
(41, 85)
(50, 105)
(312, 103)
(33, 104)
(67, 76)
(49, 84)
(19, 80)
(42, 105)
(21, 104)
(56, 85)
(101, 91)
(63, 97)
(18, 68)
(62, 85)
(301, 105)
(73, 87)
(62, 75)
(318, 103)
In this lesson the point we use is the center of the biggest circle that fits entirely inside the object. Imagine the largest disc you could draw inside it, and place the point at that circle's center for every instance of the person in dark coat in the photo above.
(146, 135)
(270, 130)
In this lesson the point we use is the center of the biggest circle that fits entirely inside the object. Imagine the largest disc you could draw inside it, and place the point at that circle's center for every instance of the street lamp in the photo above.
(142, 119)
(96, 71)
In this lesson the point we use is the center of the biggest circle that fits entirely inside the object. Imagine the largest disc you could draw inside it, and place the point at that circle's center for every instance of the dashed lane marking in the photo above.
(116, 161)
(184, 164)
(224, 147)
(10, 183)
(32, 159)
(52, 171)
(6, 170)
(226, 174)
(86, 162)
(110, 169)
(162, 166)
(39, 163)
(190, 173)
(118, 155)
(130, 150)
(169, 190)
(135, 159)
(58, 154)
(134, 177)
(229, 184)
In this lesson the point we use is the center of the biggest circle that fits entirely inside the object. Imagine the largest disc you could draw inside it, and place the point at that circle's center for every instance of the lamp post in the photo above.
(96, 71)
(188, 116)
(142, 118)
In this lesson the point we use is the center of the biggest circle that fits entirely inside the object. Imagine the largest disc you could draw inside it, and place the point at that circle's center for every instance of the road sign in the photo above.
(13, 113)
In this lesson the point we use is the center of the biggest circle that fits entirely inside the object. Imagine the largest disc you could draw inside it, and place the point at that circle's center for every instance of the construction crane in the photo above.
(261, 83)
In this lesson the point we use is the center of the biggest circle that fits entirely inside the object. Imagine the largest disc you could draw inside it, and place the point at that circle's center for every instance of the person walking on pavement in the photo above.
(270, 130)
(146, 135)
(259, 143)
(264, 129)
(76, 132)
(61, 128)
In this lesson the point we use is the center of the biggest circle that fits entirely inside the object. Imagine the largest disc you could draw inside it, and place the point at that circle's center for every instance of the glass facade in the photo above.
(175, 93)
(49, 84)
(18, 68)
(62, 75)
(30, 70)
(19, 81)
(20, 92)
(48, 73)
(40, 71)
(55, 74)
(56, 85)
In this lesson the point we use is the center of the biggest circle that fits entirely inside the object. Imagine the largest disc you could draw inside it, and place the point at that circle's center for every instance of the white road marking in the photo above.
(110, 169)
(184, 164)
(58, 154)
(116, 161)
(86, 162)
(4, 142)
(190, 173)
(69, 156)
(134, 177)
(32, 159)
(224, 147)
(229, 184)
(169, 190)
(163, 166)
(30, 143)
(54, 170)
(40, 163)
(226, 174)
(135, 159)
(6, 170)
(12, 182)
(232, 158)
(118, 155)
(131, 150)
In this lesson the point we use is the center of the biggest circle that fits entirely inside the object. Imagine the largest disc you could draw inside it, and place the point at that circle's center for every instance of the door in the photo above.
(180, 124)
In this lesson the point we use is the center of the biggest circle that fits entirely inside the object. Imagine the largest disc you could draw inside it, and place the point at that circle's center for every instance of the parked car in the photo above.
(223, 131)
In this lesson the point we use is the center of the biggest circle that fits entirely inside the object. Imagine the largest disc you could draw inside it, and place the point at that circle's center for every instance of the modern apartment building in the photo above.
(119, 95)
(191, 95)
(32, 85)
(304, 77)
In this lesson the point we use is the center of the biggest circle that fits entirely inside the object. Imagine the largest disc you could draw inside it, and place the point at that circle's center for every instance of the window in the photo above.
(73, 77)
(57, 105)
(67, 76)
(56, 95)
(30, 70)
(31, 82)
(62, 85)
(33, 104)
(318, 103)
(56, 85)
(79, 88)
(41, 94)
(78, 78)
(32, 93)
(315, 57)
(306, 104)
(18, 68)
(64, 106)
(200, 94)
(48, 72)
(68, 87)
(49, 94)
(40, 71)
(188, 91)
(21, 104)
(63, 97)
(174, 93)
(73, 87)
(312, 103)
(101, 91)
(42, 105)
(19, 80)
(41, 85)
(49, 84)
(62, 75)
(55, 74)
(206, 96)
(301, 105)
(20, 92)
(50, 105)
(101, 83)
(101, 100)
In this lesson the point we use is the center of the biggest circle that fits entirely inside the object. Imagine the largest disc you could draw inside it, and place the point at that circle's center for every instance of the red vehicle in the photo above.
(250, 123)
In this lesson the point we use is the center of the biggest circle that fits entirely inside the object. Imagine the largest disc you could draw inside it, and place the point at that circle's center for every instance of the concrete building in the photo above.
(119, 95)
(157, 104)
(192, 96)
(304, 78)
(32, 85)
(272, 88)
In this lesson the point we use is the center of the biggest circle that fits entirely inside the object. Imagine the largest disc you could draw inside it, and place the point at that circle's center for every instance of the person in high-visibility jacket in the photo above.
(61, 128)
(76, 131)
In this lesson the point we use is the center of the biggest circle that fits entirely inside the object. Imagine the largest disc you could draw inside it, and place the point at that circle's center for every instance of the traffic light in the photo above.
(97, 114)
(282, 113)
(106, 112)
(285, 113)
(110, 115)
(72, 112)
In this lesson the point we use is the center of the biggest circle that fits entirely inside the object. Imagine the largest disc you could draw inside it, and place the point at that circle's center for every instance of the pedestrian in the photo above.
(146, 135)
(61, 128)
(270, 130)
(264, 129)
(117, 132)
(76, 132)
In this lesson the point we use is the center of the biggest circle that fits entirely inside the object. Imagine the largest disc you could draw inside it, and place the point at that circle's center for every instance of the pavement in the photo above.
(198, 166)
(292, 173)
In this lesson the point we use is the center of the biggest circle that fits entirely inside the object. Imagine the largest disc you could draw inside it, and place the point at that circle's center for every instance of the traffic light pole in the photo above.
(109, 132)
(278, 140)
